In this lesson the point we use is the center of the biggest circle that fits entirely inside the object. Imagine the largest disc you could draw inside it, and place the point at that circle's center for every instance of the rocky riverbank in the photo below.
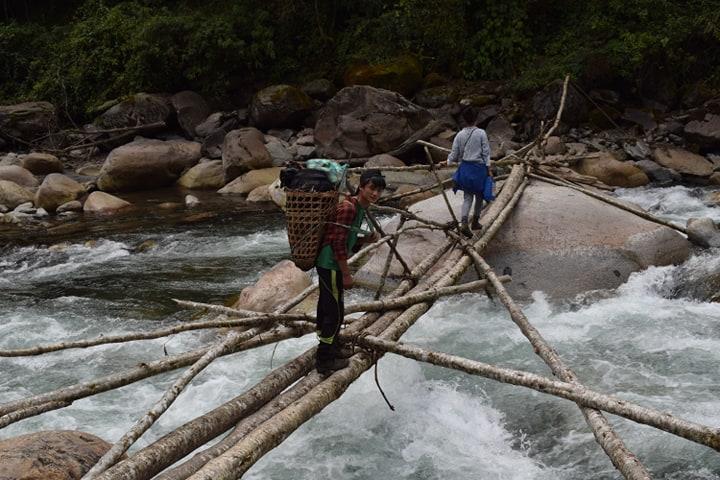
(154, 142)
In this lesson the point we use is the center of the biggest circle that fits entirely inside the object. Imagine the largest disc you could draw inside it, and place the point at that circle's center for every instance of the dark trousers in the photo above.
(330, 312)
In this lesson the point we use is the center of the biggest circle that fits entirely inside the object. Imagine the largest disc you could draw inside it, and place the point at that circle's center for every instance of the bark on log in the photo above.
(112, 456)
(195, 433)
(245, 426)
(140, 372)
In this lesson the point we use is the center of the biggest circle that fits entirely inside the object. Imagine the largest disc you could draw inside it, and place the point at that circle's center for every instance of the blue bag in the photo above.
(489, 189)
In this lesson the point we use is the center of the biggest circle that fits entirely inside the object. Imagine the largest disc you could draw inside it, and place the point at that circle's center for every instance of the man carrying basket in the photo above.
(341, 237)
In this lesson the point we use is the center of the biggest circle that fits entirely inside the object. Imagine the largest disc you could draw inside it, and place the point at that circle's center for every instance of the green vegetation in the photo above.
(80, 53)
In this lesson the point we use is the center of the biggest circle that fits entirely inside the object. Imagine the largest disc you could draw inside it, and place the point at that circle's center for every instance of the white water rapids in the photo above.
(635, 342)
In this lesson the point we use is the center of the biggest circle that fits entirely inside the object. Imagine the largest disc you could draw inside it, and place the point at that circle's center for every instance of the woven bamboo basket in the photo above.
(306, 214)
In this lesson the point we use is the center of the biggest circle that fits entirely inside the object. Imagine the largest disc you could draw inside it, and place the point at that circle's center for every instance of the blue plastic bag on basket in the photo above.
(489, 189)
(335, 171)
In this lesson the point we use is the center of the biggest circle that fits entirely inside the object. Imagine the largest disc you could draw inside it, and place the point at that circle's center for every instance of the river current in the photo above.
(636, 341)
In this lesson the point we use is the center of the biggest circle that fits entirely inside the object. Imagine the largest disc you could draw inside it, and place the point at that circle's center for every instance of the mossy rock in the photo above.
(279, 106)
(436, 97)
(402, 75)
(137, 109)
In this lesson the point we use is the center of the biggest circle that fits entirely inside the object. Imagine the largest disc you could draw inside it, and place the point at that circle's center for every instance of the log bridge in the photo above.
(259, 419)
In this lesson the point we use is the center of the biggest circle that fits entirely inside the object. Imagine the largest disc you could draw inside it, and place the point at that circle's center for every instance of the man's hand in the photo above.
(347, 281)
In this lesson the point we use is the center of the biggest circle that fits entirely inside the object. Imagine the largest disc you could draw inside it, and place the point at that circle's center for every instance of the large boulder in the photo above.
(706, 132)
(658, 174)
(146, 164)
(402, 75)
(556, 240)
(137, 109)
(362, 121)
(191, 110)
(41, 163)
(260, 194)
(545, 104)
(12, 194)
(244, 150)
(321, 89)
(609, 170)
(683, 162)
(703, 232)
(251, 180)
(279, 106)
(384, 160)
(101, 202)
(28, 121)
(52, 455)
(279, 284)
(204, 175)
(19, 175)
(57, 189)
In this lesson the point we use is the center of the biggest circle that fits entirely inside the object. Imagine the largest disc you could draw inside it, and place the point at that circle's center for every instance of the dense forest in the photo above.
(82, 53)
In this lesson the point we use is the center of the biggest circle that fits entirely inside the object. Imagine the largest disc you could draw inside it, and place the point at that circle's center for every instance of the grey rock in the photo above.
(658, 174)
(72, 206)
(4, 209)
(191, 110)
(643, 118)
(279, 106)
(41, 163)
(284, 134)
(682, 161)
(41, 212)
(19, 175)
(56, 190)
(362, 121)
(146, 164)
(703, 232)
(706, 132)
(244, 150)
(26, 207)
(546, 102)
(137, 109)
(279, 151)
(10, 159)
(637, 151)
(28, 121)
(320, 89)
(191, 201)
(12, 194)
(209, 125)
(212, 144)
(556, 240)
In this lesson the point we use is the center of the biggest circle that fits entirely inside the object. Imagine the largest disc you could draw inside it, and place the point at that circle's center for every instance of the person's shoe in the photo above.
(474, 224)
(465, 230)
(344, 351)
(328, 367)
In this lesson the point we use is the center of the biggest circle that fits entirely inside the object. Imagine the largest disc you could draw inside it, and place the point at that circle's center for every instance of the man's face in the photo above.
(369, 193)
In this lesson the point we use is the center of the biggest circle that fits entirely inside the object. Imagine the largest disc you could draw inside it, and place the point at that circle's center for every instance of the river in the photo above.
(636, 341)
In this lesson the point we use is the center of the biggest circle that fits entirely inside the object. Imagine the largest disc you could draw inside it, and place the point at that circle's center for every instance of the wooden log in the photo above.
(244, 454)
(245, 426)
(409, 168)
(624, 460)
(178, 443)
(119, 448)
(195, 433)
(131, 375)
(664, 421)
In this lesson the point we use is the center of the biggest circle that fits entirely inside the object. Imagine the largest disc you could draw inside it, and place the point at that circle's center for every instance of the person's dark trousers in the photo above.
(330, 313)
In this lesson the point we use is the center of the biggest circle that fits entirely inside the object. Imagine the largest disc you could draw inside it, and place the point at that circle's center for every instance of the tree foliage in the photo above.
(81, 53)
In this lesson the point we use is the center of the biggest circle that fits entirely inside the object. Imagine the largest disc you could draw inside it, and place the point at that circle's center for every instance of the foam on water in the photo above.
(636, 342)
(676, 203)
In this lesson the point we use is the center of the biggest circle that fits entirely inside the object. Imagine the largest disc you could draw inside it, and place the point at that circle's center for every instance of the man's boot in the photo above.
(343, 350)
(465, 230)
(474, 224)
(326, 362)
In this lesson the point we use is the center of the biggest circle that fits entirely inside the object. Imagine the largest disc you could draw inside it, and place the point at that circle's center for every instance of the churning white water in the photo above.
(637, 342)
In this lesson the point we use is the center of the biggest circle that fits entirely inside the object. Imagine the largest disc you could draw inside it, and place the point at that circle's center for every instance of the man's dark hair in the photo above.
(372, 176)
(469, 116)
